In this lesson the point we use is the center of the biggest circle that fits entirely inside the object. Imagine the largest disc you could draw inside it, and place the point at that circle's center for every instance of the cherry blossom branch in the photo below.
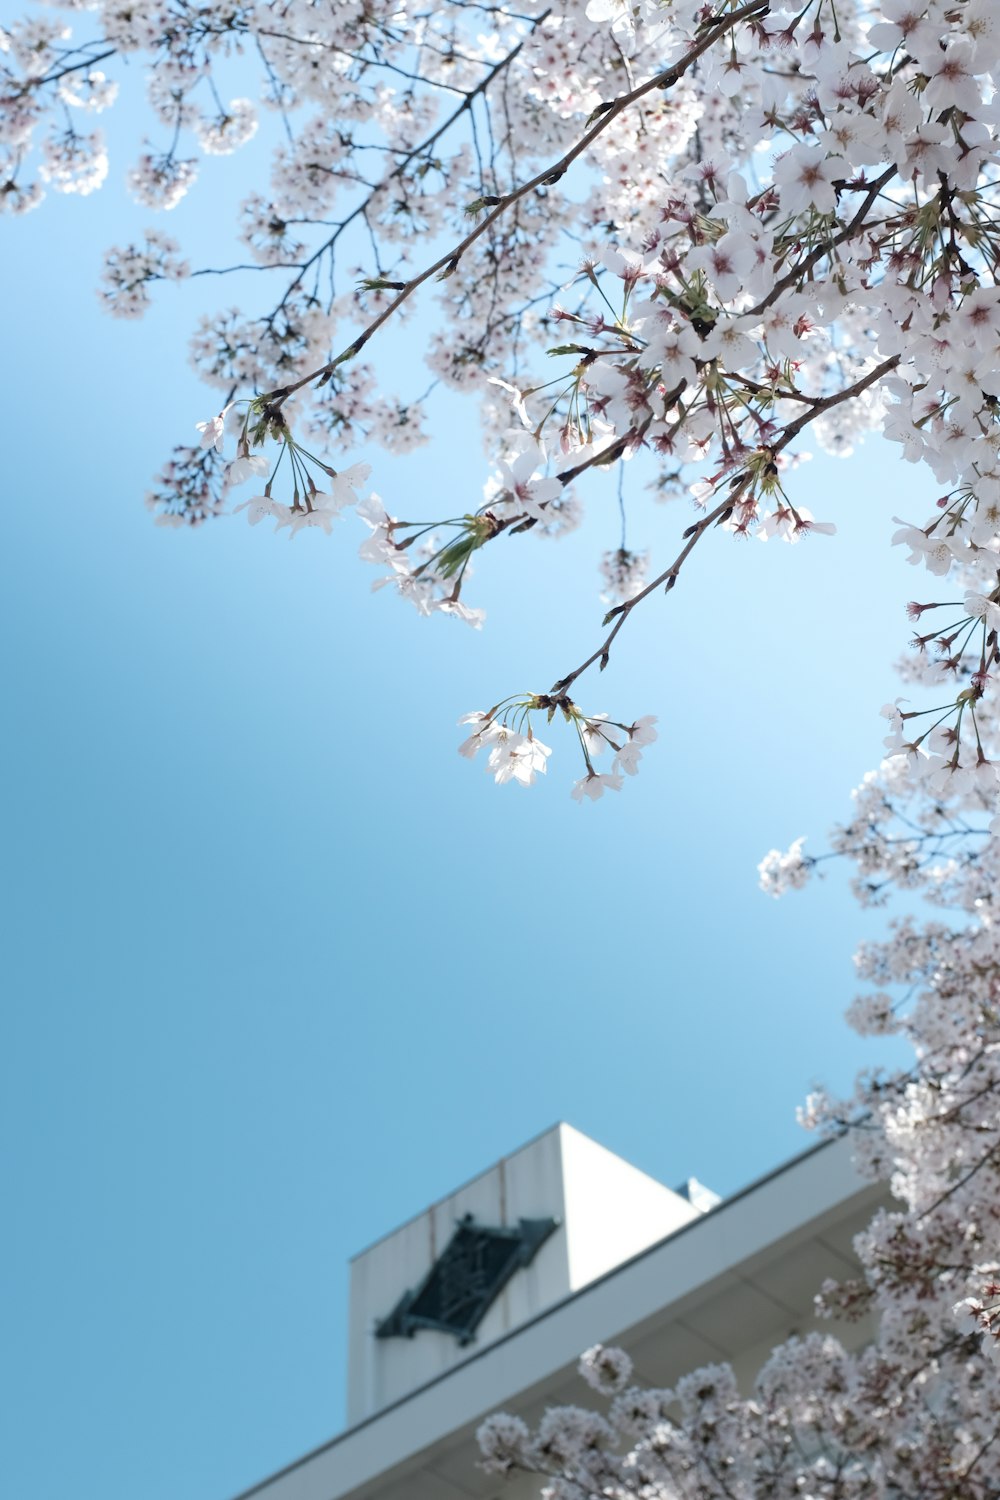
(693, 535)
(448, 263)
(470, 96)
(668, 577)
(825, 403)
(989, 1156)
(817, 253)
(85, 62)
(608, 455)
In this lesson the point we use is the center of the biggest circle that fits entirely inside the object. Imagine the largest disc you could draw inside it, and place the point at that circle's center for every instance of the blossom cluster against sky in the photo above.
(283, 968)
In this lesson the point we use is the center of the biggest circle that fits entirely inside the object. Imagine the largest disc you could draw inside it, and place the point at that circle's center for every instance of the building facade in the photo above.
(486, 1301)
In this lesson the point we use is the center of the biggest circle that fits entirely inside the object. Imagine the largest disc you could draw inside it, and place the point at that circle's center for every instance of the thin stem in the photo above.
(448, 263)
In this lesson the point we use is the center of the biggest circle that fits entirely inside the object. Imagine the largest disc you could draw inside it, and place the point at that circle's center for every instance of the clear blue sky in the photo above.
(280, 968)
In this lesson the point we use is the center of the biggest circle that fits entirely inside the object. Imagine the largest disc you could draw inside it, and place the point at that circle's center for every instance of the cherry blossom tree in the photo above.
(709, 232)
(913, 1414)
(706, 231)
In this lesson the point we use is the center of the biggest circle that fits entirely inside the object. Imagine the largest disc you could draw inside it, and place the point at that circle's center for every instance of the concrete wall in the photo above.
(608, 1211)
(612, 1209)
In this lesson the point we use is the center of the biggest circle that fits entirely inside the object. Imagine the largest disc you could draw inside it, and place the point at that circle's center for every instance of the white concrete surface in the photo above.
(608, 1211)
(730, 1285)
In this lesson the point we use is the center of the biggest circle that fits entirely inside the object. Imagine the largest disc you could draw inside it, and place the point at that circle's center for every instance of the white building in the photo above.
(486, 1301)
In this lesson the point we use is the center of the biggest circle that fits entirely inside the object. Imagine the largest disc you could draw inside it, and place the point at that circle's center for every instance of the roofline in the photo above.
(555, 1307)
(462, 1186)
(507, 1156)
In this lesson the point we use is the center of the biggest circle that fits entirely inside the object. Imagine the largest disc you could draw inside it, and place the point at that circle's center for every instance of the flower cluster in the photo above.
(423, 568)
(981, 1316)
(784, 222)
(74, 163)
(623, 574)
(784, 872)
(128, 271)
(516, 755)
(781, 225)
(911, 1409)
(161, 181)
(608, 1371)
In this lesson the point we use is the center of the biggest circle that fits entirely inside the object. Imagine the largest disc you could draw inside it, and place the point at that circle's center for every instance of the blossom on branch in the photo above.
(783, 226)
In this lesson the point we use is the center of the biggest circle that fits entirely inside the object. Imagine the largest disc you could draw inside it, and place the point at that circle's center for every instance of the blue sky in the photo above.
(281, 969)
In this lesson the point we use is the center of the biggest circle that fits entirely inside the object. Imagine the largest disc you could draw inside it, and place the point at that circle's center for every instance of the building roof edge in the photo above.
(691, 1227)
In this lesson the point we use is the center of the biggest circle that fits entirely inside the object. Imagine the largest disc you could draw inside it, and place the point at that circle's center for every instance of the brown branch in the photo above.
(695, 533)
(448, 263)
(990, 1155)
(624, 610)
(85, 62)
(470, 96)
(607, 455)
(824, 403)
(820, 250)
